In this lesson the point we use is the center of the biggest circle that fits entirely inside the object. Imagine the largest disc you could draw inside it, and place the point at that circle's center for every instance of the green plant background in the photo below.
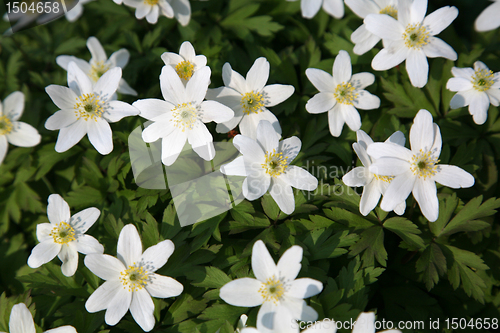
(405, 268)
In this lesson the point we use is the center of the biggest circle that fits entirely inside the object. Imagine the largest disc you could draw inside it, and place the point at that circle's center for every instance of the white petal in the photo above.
(335, 120)
(43, 252)
(249, 148)
(305, 288)
(235, 167)
(64, 60)
(267, 136)
(334, 7)
(71, 135)
(21, 320)
(117, 110)
(391, 56)
(60, 119)
(320, 79)
(152, 16)
(96, 50)
(362, 80)
(300, 178)
(43, 231)
(389, 166)
(478, 107)
(282, 193)
(23, 135)
(438, 48)
(488, 19)
(310, 7)
(226, 96)
(362, 7)
(263, 265)
(242, 292)
(289, 263)
(156, 256)
(356, 177)
(182, 11)
(142, 308)
(417, 68)
(197, 86)
(366, 101)
(201, 141)
(151, 108)
(384, 26)
(397, 138)
(249, 123)
(422, 132)
(426, 196)
(365, 45)
(215, 111)
(256, 184)
(166, 9)
(104, 266)
(163, 286)
(233, 79)
(299, 309)
(170, 58)
(365, 323)
(351, 116)
(100, 136)
(187, 51)
(465, 73)
(266, 317)
(418, 10)
(458, 84)
(171, 147)
(69, 258)
(438, 142)
(200, 61)
(321, 102)
(342, 69)
(398, 190)
(118, 307)
(159, 129)
(400, 209)
(124, 88)
(360, 150)
(119, 58)
(78, 81)
(13, 105)
(257, 75)
(4, 145)
(102, 296)
(129, 246)
(290, 148)
(363, 139)
(276, 93)
(369, 198)
(62, 329)
(108, 83)
(453, 176)
(440, 19)
(63, 97)
(379, 149)
(87, 244)
(172, 88)
(57, 209)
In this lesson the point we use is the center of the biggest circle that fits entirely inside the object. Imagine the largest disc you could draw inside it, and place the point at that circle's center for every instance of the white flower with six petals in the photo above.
(341, 94)
(64, 236)
(131, 279)
(186, 63)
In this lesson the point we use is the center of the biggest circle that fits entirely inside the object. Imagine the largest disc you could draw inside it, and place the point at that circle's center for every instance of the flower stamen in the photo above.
(88, 106)
(345, 93)
(134, 278)
(97, 70)
(275, 163)
(63, 233)
(6, 125)
(252, 102)
(185, 69)
(185, 116)
(390, 10)
(416, 36)
(386, 179)
(424, 164)
(272, 290)
(482, 79)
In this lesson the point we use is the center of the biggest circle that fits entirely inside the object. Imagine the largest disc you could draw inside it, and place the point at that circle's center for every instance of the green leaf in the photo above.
(372, 243)
(432, 263)
(406, 230)
(208, 277)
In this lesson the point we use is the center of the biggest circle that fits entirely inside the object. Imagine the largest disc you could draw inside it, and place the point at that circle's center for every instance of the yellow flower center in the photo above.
(272, 290)
(63, 233)
(97, 70)
(252, 102)
(482, 79)
(390, 10)
(88, 106)
(134, 278)
(275, 164)
(386, 179)
(184, 69)
(185, 116)
(345, 93)
(5, 125)
(416, 36)
(424, 164)
(151, 2)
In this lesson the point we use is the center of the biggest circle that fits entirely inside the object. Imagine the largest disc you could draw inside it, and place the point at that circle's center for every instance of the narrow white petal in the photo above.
(422, 132)
(249, 148)
(478, 107)
(117, 110)
(197, 86)
(360, 150)
(215, 111)
(366, 101)
(43, 252)
(458, 84)
(426, 196)
(358, 176)
(142, 308)
(366, 44)
(282, 193)
(379, 149)
(4, 145)
(267, 136)
(399, 189)
(124, 88)
(152, 16)
(488, 19)
(351, 116)
(71, 135)
(129, 248)
(235, 167)
(100, 136)
(335, 120)
(170, 58)
(289, 264)
(13, 105)
(389, 166)
(397, 138)
(60, 119)
(438, 142)
(384, 26)
(233, 79)
(78, 81)
(300, 178)
(156, 256)
(342, 69)
(304, 288)
(172, 88)
(96, 50)
(400, 208)
(187, 51)
(120, 58)
(276, 93)
(118, 307)
(334, 8)
(23, 135)
(391, 56)
(369, 198)
(320, 79)
(321, 102)
(417, 68)
(102, 296)
(362, 7)
(263, 265)
(84, 219)
(87, 244)
(453, 176)
(440, 19)
(171, 147)
(108, 83)
(69, 258)
(438, 48)
(164, 287)
(310, 7)
(166, 9)
(159, 129)
(256, 184)
(57, 209)
(151, 108)
(201, 141)
(182, 11)
(249, 123)
(242, 292)
(104, 266)
(63, 97)
(21, 320)
(257, 75)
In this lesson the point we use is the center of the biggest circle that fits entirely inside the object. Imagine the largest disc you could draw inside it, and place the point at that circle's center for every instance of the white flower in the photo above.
(64, 236)
(275, 288)
(186, 63)
(341, 94)
(21, 321)
(12, 131)
(476, 88)
(87, 108)
(131, 279)
(489, 18)
(249, 98)
(363, 39)
(266, 164)
(182, 115)
(151, 9)
(75, 12)
(411, 38)
(374, 185)
(100, 64)
(417, 170)
(310, 8)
